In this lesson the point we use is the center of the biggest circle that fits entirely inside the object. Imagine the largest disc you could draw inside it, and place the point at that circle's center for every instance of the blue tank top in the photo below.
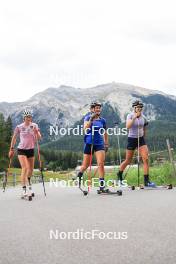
(95, 134)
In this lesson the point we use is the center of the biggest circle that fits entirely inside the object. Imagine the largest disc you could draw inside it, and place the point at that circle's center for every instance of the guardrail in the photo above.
(13, 179)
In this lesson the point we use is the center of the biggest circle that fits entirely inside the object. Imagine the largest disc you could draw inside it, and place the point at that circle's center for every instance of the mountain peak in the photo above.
(67, 104)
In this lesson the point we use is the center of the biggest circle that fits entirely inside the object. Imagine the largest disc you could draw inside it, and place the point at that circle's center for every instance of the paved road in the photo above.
(148, 217)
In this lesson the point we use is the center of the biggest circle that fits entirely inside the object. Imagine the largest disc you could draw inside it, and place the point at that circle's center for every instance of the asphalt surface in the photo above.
(148, 217)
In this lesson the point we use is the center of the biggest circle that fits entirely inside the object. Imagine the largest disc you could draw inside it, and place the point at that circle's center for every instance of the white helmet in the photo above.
(27, 113)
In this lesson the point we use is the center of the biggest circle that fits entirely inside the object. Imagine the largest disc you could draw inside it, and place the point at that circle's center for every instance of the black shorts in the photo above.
(133, 143)
(29, 153)
(87, 148)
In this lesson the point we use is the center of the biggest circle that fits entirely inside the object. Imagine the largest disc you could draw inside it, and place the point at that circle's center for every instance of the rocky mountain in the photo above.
(64, 106)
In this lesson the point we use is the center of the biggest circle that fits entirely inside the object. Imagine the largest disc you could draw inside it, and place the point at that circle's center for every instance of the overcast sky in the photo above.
(84, 43)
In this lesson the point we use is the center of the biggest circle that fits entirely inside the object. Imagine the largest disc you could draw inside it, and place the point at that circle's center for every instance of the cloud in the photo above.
(158, 34)
(85, 43)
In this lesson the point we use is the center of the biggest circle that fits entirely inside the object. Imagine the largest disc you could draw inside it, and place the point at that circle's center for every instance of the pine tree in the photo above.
(2, 137)
(9, 130)
(3, 144)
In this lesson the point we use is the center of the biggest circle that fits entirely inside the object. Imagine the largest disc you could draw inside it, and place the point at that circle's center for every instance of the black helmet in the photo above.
(97, 104)
(92, 104)
(137, 103)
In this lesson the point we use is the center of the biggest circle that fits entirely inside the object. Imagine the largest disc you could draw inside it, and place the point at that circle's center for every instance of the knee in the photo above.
(30, 171)
(101, 165)
(145, 160)
(24, 170)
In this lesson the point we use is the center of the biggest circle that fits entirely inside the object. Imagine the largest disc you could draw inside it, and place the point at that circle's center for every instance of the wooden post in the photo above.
(14, 179)
(171, 156)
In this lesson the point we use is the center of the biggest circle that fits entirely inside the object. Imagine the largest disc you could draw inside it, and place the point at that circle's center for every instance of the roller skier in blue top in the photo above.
(95, 141)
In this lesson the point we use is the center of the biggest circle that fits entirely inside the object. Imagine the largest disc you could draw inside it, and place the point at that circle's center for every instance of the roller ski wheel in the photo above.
(132, 187)
(85, 193)
(30, 198)
(169, 186)
(33, 194)
(119, 193)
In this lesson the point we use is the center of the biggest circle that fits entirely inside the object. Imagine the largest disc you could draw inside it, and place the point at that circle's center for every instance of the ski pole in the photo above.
(40, 166)
(90, 168)
(138, 158)
(118, 142)
(90, 163)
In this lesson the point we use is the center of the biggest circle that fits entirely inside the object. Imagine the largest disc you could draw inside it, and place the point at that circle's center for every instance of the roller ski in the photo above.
(105, 191)
(108, 192)
(154, 187)
(25, 195)
(148, 185)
